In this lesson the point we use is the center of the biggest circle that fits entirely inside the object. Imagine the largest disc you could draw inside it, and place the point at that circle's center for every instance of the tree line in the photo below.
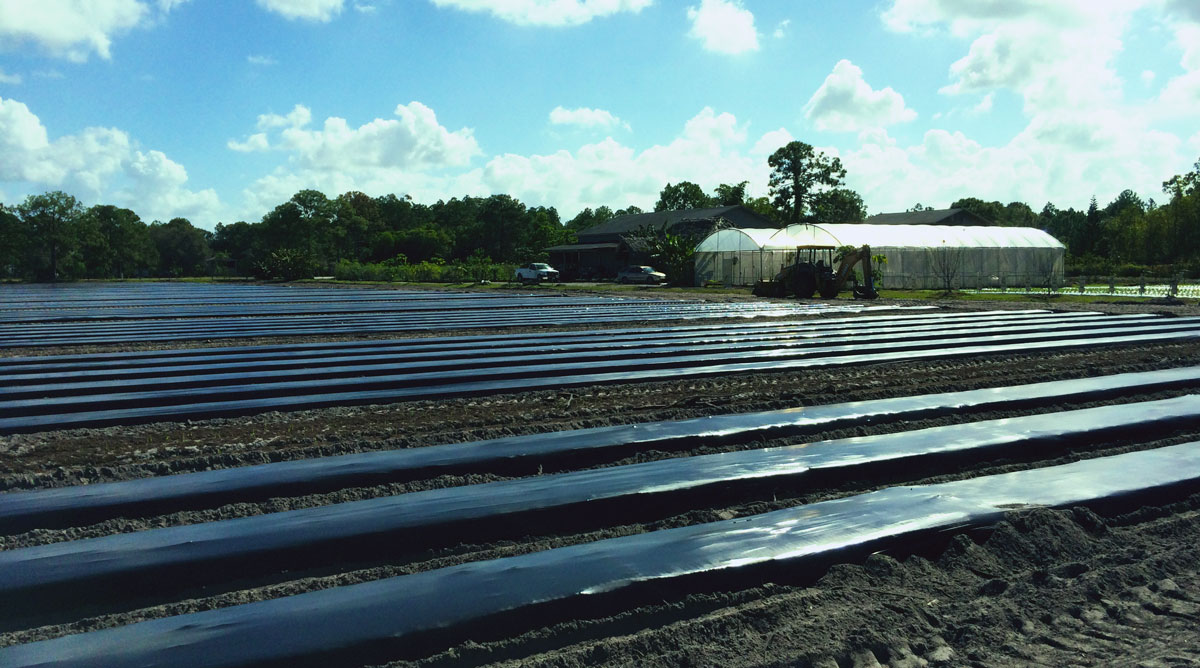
(51, 236)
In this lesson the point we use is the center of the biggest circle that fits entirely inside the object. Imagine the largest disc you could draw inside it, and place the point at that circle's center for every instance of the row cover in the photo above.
(71, 506)
(211, 375)
(122, 359)
(132, 408)
(168, 559)
(543, 368)
(329, 307)
(271, 326)
(369, 621)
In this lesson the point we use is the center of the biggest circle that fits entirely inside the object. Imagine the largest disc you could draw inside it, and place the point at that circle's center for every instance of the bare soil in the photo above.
(1047, 587)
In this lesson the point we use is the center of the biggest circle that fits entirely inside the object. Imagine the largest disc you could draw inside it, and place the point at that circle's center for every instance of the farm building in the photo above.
(918, 256)
(601, 251)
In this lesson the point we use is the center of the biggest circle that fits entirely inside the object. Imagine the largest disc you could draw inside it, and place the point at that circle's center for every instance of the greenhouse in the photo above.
(735, 256)
(917, 256)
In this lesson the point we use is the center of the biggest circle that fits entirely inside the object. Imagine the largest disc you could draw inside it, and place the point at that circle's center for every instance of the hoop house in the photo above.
(934, 256)
(742, 256)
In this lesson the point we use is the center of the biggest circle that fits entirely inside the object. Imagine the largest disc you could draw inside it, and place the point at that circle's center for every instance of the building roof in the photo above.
(582, 247)
(738, 214)
(929, 217)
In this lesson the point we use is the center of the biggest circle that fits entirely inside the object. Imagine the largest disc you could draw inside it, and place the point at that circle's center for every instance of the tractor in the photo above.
(812, 273)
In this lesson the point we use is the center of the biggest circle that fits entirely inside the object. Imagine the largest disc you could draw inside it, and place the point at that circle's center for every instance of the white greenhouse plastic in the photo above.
(918, 256)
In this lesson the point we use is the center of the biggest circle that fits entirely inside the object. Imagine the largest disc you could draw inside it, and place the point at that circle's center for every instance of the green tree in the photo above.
(182, 248)
(763, 207)
(839, 205)
(682, 195)
(128, 249)
(730, 195)
(797, 172)
(240, 242)
(673, 254)
(12, 244)
(589, 218)
(50, 222)
(992, 212)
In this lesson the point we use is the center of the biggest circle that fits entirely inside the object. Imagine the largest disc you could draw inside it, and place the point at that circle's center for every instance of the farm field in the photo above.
(246, 475)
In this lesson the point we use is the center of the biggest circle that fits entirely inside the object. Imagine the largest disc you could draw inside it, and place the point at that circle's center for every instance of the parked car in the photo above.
(641, 274)
(536, 272)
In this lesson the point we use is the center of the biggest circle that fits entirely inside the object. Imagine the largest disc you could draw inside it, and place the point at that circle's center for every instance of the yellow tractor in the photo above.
(812, 273)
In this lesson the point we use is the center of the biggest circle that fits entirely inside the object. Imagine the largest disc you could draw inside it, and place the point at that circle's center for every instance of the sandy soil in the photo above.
(1047, 587)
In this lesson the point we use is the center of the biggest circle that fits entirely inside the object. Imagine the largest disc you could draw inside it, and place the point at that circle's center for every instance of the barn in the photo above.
(601, 251)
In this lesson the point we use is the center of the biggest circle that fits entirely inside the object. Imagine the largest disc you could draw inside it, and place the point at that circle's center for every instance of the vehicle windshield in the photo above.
(539, 265)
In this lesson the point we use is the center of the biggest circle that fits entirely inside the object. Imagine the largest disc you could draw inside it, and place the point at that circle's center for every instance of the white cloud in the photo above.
(298, 117)
(71, 29)
(585, 117)
(547, 12)
(1055, 55)
(771, 142)
(308, 10)
(1180, 98)
(1082, 137)
(846, 103)
(985, 105)
(711, 149)
(261, 60)
(97, 165)
(724, 26)
(255, 142)
(781, 29)
(12, 79)
(411, 153)
(1148, 77)
(363, 8)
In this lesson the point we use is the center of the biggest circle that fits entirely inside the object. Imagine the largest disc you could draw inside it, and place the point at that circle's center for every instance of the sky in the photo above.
(219, 110)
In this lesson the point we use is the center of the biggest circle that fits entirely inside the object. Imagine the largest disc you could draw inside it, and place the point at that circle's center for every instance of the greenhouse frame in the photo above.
(918, 257)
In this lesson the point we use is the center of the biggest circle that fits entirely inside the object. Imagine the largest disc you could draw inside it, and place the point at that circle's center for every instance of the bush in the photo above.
(423, 272)
(287, 264)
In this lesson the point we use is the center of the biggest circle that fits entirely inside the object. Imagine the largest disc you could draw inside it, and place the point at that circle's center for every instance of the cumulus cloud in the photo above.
(547, 12)
(724, 26)
(1082, 136)
(711, 149)
(410, 153)
(298, 117)
(771, 142)
(255, 142)
(74, 29)
(260, 60)
(97, 164)
(307, 10)
(845, 102)
(11, 79)
(781, 29)
(585, 117)
(1055, 55)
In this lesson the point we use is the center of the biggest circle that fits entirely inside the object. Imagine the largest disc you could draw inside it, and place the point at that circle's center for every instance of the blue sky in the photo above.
(217, 110)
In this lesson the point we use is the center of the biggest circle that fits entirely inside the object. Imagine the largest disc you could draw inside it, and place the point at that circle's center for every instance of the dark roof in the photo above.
(929, 217)
(738, 214)
(582, 247)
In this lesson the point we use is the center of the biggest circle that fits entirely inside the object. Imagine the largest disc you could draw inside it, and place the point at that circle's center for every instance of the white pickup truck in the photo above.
(536, 272)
